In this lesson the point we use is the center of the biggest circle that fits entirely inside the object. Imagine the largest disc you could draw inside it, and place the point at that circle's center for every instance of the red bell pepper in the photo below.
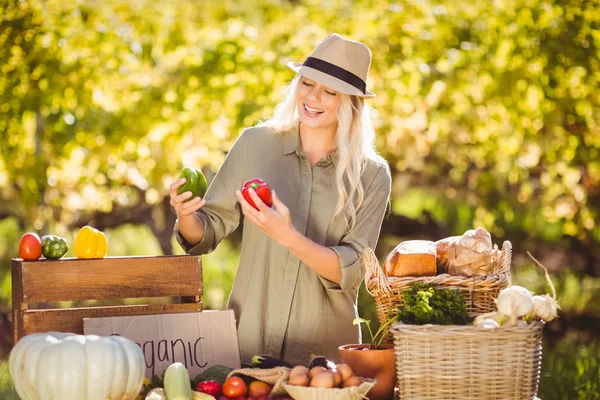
(262, 190)
(209, 387)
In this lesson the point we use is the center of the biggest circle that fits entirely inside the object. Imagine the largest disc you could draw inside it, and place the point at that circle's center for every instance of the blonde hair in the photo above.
(355, 142)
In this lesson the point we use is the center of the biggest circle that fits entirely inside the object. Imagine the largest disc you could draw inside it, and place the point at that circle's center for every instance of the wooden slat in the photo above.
(17, 306)
(71, 319)
(110, 277)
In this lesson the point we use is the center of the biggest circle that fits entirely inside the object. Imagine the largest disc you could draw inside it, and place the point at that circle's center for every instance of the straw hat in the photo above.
(338, 63)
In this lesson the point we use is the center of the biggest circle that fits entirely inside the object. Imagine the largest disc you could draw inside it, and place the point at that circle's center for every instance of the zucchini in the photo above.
(177, 382)
(159, 394)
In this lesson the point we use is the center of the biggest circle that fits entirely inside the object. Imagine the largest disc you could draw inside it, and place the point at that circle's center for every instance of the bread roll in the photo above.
(468, 255)
(411, 258)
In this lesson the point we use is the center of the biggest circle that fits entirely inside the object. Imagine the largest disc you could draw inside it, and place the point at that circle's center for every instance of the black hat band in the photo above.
(336, 72)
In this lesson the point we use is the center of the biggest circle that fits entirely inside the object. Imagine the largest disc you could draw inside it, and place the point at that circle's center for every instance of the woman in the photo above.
(300, 267)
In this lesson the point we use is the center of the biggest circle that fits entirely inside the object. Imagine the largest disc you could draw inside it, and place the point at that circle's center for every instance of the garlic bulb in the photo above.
(495, 316)
(515, 302)
(488, 324)
(545, 307)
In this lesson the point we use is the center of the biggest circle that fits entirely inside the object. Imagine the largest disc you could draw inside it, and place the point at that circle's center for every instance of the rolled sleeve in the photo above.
(350, 267)
(206, 245)
(365, 234)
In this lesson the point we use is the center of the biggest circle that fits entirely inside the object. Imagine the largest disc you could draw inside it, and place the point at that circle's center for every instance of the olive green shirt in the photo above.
(284, 308)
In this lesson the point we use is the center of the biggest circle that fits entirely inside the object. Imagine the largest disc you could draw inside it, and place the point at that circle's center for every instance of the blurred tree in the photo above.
(515, 135)
(488, 107)
(487, 112)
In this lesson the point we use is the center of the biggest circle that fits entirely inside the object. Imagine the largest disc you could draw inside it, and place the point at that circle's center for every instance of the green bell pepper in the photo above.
(195, 182)
(54, 247)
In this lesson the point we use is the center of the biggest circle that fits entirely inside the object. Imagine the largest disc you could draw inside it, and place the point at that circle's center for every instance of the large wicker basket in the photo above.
(479, 291)
(468, 362)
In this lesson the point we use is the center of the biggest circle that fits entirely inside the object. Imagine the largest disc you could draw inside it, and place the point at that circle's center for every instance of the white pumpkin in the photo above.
(66, 366)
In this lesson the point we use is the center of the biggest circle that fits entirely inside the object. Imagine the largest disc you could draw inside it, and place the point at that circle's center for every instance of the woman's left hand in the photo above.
(275, 222)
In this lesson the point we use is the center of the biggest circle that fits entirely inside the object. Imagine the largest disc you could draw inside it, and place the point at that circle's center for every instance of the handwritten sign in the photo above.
(197, 340)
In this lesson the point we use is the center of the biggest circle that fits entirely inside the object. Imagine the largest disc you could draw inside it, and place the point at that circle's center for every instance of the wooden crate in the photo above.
(70, 279)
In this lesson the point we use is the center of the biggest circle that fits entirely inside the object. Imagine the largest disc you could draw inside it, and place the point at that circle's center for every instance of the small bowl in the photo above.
(317, 393)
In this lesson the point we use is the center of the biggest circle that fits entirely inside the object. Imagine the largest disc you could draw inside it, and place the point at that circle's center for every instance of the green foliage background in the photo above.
(487, 112)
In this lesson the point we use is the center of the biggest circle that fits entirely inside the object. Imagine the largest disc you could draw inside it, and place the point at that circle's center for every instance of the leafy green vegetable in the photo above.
(214, 373)
(425, 304)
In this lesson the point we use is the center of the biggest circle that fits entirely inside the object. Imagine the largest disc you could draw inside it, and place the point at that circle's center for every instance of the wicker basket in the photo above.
(479, 291)
(273, 376)
(468, 362)
(320, 393)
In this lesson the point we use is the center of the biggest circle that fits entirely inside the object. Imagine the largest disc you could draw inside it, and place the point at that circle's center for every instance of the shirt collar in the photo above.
(292, 144)
(291, 141)
(332, 157)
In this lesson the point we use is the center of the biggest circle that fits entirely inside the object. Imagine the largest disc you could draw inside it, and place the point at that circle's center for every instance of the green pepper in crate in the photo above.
(54, 247)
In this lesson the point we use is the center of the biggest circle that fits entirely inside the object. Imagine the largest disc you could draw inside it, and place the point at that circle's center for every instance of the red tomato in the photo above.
(30, 246)
(258, 389)
(234, 387)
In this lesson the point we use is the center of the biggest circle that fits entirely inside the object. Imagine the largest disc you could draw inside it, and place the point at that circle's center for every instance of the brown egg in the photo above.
(337, 378)
(324, 379)
(299, 380)
(316, 371)
(345, 370)
(352, 381)
(299, 370)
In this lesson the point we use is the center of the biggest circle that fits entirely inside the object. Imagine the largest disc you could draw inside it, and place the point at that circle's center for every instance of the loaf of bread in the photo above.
(412, 258)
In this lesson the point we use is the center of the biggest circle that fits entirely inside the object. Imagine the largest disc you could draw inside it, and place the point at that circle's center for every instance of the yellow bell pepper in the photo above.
(90, 243)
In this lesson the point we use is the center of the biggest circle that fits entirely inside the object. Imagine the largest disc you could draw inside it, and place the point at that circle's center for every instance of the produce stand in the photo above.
(161, 278)
(70, 279)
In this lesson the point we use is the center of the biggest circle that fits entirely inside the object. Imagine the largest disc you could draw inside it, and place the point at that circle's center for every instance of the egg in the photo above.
(337, 378)
(298, 380)
(352, 381)
(345, 370)
(316, 371)
(299, 370)
(324, 380)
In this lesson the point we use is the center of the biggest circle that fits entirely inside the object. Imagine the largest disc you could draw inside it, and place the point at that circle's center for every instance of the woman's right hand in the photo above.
(179, 203)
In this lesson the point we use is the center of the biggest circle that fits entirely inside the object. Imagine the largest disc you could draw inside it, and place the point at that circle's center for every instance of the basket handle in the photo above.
(374, 270)
(505, 258)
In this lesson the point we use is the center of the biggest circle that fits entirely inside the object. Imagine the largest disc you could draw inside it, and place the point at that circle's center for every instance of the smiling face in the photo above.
(317, 105)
